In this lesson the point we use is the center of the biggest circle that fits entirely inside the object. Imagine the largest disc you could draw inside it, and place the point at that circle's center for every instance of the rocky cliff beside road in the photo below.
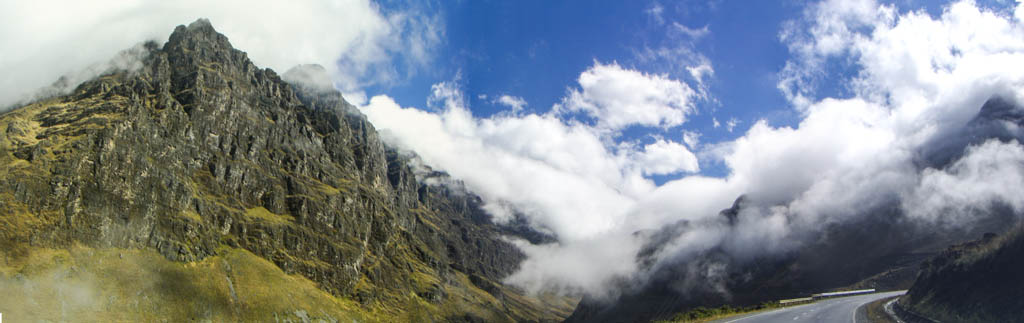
(204, 158)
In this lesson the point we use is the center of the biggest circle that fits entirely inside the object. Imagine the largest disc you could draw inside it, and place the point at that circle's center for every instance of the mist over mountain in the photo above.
(881, 248)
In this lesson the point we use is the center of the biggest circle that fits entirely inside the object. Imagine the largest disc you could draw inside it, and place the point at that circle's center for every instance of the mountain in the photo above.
(200, 186)
(879, 249)
(977, 281)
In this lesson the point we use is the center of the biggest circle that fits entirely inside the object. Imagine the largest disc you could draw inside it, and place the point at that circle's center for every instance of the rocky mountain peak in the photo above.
(200, 44)
(197, 35)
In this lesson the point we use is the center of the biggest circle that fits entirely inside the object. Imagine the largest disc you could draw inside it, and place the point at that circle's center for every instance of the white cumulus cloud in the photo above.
(516, 103)
(667, 157)
(617, 98)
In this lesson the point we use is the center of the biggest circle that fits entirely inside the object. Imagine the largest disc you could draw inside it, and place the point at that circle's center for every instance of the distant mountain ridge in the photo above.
(200, 153)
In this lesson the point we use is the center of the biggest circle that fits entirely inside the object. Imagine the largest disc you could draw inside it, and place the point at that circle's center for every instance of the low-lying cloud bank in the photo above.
(354, 39)
(568, 177)
(574, 179)
(920, 81)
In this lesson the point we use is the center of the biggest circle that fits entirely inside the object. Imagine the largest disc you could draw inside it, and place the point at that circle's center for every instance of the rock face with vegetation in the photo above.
(202, 157)
(977, 281)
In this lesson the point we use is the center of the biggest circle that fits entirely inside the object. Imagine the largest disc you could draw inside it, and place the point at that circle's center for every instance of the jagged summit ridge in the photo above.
(198, 35)
(200, 43)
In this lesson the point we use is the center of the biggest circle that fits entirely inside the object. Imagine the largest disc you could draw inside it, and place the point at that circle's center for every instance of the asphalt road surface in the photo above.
(838, 310)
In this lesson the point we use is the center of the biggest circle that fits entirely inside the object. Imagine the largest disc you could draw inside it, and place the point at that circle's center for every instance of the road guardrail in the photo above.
(796, 300)
(825, 295)
(846, 293)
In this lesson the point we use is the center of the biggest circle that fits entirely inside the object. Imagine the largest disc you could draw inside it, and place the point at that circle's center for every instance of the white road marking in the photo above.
(854, 317)
(891, 312)
(756, 315)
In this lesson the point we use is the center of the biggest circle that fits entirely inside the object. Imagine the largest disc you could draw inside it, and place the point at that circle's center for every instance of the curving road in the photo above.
(840, 309)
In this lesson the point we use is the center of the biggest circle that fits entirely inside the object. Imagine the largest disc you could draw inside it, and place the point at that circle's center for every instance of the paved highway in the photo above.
(838, 310)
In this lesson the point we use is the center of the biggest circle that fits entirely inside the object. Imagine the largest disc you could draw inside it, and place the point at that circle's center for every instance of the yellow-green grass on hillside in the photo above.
(263, 214)
(118, 285)
(131, 285)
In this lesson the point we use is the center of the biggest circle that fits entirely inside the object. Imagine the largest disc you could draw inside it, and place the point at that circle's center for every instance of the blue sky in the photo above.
(536, 49)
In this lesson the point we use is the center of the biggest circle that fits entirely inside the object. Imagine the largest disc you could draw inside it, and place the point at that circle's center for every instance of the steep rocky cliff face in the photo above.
(199, 152)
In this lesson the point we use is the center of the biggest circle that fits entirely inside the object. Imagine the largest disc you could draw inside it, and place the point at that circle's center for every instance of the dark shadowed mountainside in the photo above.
(978, 281)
